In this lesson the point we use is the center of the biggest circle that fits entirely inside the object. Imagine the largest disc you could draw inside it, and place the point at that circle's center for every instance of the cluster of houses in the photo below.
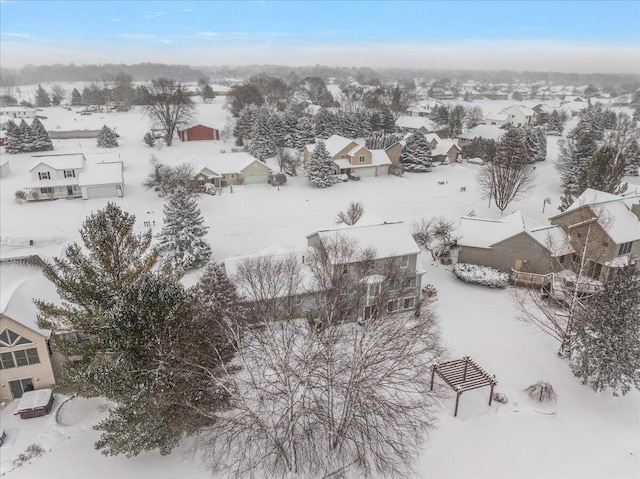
(599, 231)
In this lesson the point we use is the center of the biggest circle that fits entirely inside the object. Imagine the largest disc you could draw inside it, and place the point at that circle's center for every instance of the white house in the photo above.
(70, 176)
(489, 132)
(519, 115)
(17, 112)
(409, 124)
(496, 119)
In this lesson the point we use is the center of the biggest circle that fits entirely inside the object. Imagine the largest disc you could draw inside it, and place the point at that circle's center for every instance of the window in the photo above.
(625, 248)
(6, 360)
(24, 357)
(605, 243)
(343, 157)
(361, 159)
(47, 190)
(345, 269)
(408, 303)
(44, 175)
(404, 261)
(410, 283)
(69, 174)
(374, 290)
(579, 234)
(8, 338)
(392, 306)
(561, 259)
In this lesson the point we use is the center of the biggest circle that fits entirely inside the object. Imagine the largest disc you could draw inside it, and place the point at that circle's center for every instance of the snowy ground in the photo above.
(590, 435)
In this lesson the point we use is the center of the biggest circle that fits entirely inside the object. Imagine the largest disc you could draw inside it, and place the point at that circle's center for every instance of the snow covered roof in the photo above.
(485, 233)
(415, 123)
(20, 284)
(378, 158)
(335, 144)
(388, 239)
(613, 212)
(299, 256)
(493, 116)
(225, 163)
(34, 399)
(443, 147)
(101, 174)
(433, 136)
(491, 132)
(71, 161)
(16, 109)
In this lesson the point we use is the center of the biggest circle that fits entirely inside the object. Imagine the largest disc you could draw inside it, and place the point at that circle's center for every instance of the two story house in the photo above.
(605, 228)
(519, 115)
(371, 263)
(349, 157)
(26, 361)
(70, 176)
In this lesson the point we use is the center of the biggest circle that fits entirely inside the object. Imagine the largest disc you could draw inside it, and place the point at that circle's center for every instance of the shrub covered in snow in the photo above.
(541, 391)
(484, 275)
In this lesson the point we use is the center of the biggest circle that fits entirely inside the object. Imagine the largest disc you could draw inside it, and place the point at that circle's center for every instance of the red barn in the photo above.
(199, 132)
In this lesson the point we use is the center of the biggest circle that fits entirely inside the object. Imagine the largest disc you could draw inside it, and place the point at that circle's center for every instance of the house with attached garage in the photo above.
(71, 176)
(606, 228)
(392, 266)
(350, 157)
(514, 244)
(230, 169)
(26, 360)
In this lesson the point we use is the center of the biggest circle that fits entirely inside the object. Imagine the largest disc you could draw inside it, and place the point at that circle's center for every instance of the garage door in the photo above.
(253, 179)
(363, 172)
(101, 191)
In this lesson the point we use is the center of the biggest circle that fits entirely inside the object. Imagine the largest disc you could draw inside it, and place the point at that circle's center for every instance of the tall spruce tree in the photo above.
(304, 134)
(76, 98)
(416, 154)
(319, 169)
(536, 142)
(263, 143)
(182, 242)
(326, 124)
(555, 125)
(606, 350)
(14, 145)
(632, 155)
(42, 97)
(42, 141)
(107, 138)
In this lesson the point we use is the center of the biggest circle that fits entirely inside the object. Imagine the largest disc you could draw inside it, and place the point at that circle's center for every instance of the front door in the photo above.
(370, 311)
(70, 190)
(20, 386)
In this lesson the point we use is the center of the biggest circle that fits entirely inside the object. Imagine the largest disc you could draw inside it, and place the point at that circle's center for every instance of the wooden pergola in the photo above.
(463, 375)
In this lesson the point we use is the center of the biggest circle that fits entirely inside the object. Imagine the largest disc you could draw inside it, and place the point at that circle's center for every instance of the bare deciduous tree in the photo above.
(289, 161)
(164, 179)
(351, 215)
(556, 313)
(169, 107)
(435, 235)
(340, 399)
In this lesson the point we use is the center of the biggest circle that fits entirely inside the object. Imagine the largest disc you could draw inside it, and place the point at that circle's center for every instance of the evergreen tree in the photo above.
(575, 154)
(42, 140)
(555, 125)
(149, 139)
(379, 140)
(350, 125)
(76, 98)
(416, 154)
(603, 172)
(262, 136)
(635, 105)
(107, 138)
(319, 169)
(290, 125)
(278, 129)
(375, 121)
(484, 148)
(537, 142)
(606, 349)
(245, 122)
(304, 134)
(632, 155)
(42, 97)
(326, 124)
(182, 240)
(26, 137)
(388, 121)
(14, 144)
(513, 148)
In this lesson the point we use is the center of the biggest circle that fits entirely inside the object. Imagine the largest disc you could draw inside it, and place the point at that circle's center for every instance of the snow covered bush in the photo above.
(107, 138)
(21, 196)
(484, 275)
(541, 391)
(149, 139)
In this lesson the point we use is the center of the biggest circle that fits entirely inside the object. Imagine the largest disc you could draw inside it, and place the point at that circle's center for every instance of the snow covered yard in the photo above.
(590, 435)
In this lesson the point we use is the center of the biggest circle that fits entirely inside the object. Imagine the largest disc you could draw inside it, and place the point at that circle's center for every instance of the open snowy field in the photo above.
(590, 436)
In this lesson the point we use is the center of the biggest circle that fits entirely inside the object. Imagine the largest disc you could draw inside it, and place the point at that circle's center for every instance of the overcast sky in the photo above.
(573, 36)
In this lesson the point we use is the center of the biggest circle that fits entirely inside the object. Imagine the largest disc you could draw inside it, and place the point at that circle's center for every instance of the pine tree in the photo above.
(632, 155)
(42, 140)
(245, 122)
(262, 136)
(319, 169)
(575, 154)
(76, 98)
(416, 154)
(304, 134)
(513, 148)
(388, 121)
(278, 129)
(182, 240)
(537, 142)
(107, 138)
(379, 140)
(14, 144)
(603, 172)
(555, 125)
(635, 105)
(606, 349)
(42, 97)
(27, 137)
(290, 125)
(326, 124)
